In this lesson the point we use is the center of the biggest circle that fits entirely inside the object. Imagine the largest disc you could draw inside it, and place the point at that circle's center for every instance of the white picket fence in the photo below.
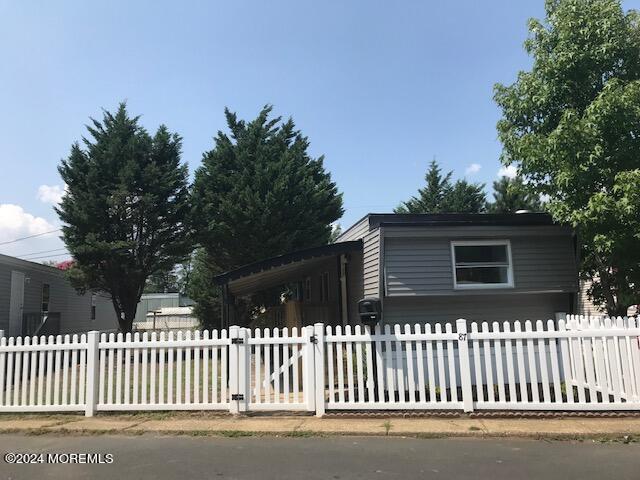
(581, 364)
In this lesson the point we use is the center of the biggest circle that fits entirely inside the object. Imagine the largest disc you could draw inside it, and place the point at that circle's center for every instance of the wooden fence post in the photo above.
(93, 373)
(465, 366)
(1, 333)
(318, 360)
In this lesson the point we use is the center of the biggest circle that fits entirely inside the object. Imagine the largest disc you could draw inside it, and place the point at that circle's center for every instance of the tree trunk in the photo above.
(126, 313)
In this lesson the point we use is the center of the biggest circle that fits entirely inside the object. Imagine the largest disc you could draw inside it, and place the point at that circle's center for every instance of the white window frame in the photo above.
(481, 286)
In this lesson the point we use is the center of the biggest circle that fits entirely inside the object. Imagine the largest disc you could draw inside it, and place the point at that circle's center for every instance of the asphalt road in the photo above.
(156, 457)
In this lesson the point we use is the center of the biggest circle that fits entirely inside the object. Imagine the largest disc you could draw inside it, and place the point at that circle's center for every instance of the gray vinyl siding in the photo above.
(477, 308)
(356, 231)
(423, 265)
(371, 263)
(74, 309)
(371, 239)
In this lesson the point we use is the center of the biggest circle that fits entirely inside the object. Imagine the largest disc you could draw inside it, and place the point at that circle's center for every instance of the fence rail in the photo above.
(585, 363)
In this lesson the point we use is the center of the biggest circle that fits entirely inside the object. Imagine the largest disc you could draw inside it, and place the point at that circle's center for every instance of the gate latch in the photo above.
(237, 341)
(237, 396)
(313, 339)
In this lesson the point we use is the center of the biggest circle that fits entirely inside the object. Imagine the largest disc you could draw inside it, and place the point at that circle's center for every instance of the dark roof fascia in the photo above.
(287, 258)
(461, 219)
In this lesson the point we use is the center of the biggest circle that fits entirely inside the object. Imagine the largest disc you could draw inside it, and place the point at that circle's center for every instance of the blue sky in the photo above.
(380, 88)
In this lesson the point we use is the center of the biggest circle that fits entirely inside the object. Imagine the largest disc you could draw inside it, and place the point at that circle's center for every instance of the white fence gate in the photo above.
(584, 364)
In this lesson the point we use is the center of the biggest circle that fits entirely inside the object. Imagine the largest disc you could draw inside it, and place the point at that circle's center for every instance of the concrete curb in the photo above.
(622, 429)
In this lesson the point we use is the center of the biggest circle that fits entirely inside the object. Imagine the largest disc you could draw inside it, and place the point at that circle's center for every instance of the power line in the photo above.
(47, 256)
(30, 236)
(42, 251)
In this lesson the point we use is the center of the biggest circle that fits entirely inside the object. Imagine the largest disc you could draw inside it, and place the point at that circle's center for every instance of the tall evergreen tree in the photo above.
(572, 126)
(125, 208)
(511, 195)
(258, 193)
(439, 195)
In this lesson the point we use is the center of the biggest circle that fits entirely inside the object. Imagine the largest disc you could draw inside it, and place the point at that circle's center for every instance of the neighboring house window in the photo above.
(324, 287)
(482, 264)
(45, 298)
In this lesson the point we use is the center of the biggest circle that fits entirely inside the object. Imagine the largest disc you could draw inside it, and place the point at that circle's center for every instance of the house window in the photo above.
(45, 298)
(482, 264)
(324, 287)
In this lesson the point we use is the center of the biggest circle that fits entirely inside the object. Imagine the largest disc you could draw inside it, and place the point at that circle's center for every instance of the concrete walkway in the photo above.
(627, 428)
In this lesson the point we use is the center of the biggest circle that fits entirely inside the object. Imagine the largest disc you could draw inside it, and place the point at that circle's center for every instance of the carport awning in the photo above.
(270, 271)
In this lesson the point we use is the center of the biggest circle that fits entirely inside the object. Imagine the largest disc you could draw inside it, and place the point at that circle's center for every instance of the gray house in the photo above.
(36, 299)
(423, 268)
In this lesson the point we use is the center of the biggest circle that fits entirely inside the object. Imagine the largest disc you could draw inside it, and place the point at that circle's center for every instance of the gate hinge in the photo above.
(313, 339)
(237, 341)
(237, 396)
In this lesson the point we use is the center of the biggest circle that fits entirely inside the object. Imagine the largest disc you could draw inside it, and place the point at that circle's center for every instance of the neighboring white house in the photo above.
(168, 318)
(37, 299)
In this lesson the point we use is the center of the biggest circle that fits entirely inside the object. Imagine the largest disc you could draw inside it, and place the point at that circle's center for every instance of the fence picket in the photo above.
(497, 345)
(522, 374)
(442, 380)
(533, 369)
(487, 364)
(411, 386)
(32, 374)
(555, 372)
(41, 372)
(276, 366)
(285, 364)
(170, 363)
(153, 366)
(359, 363)
(161, 379)
(420, 365)
(477, 364)
(431, 378)
(542, 360)
(119, 370)
(371, 371)
(453, 385)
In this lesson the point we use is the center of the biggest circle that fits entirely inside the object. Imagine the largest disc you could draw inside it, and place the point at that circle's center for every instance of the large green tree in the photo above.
(259, 194)
(511, 195)
(125, 208)
(572, 125)
(440, 195)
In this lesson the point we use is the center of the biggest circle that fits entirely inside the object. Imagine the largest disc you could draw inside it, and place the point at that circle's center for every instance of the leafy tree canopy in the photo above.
(440, 195)
(259, 194)
(572, 125)
(125, 208)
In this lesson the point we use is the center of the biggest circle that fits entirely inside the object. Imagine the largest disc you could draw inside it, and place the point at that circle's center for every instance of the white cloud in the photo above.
(510, 171)
(16, 223)
(473, 169)
(51, 193)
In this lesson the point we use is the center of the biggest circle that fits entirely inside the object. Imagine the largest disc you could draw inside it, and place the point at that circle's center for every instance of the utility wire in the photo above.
(30, 236)
(42, 251)
(47, 256)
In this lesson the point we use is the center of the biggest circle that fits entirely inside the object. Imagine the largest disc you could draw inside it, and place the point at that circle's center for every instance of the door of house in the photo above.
(16, 304)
